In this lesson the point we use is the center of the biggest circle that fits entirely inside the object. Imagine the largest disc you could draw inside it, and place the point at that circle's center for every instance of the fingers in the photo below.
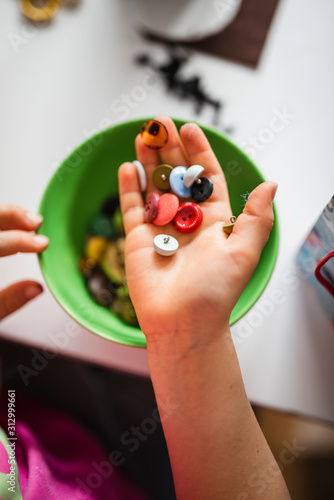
(131, 199)
(15, 296)
(200, 152)
(199, 149)
(15, 224)
(14, 217)
(14, 241)
(253, 226)
(173, 152)
(194, 148)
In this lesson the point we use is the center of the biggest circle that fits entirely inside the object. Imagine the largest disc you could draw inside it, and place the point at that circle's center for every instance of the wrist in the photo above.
(182, 340)
(186, 369)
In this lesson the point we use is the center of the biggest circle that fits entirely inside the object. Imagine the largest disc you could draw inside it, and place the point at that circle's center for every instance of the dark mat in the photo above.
(243, 40)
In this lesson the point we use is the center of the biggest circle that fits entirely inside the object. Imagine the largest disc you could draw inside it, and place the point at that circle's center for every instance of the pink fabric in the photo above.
(4, 465)
(57, 459)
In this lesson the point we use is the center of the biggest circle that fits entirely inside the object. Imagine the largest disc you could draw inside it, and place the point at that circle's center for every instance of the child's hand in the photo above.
(16, 225)
(196, 289)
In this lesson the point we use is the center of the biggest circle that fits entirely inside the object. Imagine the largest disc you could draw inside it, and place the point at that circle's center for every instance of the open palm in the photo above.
(202, 281)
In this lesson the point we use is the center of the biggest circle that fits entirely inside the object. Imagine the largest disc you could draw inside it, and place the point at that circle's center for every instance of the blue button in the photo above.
(177, 184)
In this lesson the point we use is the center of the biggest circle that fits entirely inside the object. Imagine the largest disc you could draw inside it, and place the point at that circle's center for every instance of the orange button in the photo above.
(154, 134)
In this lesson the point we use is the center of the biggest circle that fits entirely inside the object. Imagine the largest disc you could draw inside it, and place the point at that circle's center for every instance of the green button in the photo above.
(101, 225)
(160, 177)
(118, 220)
(113, 261)
(125, 310)
(129, 314)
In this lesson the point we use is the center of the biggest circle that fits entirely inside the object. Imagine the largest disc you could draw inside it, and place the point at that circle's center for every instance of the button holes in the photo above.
(189, 216)
(184, 219)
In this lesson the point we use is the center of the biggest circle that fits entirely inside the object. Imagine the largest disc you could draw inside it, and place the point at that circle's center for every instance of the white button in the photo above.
(192, 174)
(141, 175)
(165, 245)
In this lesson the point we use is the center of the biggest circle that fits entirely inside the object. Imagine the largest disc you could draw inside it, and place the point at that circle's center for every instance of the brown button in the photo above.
(161, 175)
(228, 228)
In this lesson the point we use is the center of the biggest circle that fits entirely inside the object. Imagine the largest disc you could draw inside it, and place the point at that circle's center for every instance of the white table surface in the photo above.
(63, 81)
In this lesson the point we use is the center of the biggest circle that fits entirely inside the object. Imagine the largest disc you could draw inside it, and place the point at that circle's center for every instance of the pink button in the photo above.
(151, 208)
(168, 205)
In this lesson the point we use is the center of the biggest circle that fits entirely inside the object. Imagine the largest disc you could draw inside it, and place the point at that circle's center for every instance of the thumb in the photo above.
(253, 226)
(15, 296)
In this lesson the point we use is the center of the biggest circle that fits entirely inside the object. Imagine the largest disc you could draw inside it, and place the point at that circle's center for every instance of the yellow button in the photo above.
(95, 248)
(40, 14)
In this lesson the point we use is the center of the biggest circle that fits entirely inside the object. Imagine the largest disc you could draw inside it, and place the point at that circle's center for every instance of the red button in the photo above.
(188, 218)
(167, 208)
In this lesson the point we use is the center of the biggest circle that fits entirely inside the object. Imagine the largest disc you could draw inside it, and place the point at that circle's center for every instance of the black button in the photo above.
(201, 192)
(98, 287)
(109, 206)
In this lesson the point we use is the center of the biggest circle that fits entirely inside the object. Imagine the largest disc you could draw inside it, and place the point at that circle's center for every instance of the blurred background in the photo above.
(259, 73)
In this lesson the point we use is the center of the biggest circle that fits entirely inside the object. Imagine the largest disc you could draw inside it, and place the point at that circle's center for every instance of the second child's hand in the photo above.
(16, 235)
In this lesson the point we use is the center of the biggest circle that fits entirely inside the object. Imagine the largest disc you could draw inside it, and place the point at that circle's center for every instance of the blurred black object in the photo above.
(185, 88)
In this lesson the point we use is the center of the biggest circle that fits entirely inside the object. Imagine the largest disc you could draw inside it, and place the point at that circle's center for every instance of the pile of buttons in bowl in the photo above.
(102, 264)
(183, 182)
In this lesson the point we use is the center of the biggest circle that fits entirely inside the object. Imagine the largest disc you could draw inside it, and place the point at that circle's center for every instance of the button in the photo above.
(124, 308)
(113, 261)
(165, 245)
(98, 287)
(122, 291)
(95, 247)
(228, 226)
(30, 9)
(188, 218)
(151, 207)
(128, 314)
(167, 208)
(109, 205)
(161, 175)
(101, 225)
(118, 220)
(192, 174)
(177, 184)
(154, 134)
(117, 305)
(87, 266)
(201, 191)
(141, 175)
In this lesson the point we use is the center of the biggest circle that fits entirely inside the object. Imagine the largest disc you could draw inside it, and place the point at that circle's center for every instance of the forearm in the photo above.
(215, 445)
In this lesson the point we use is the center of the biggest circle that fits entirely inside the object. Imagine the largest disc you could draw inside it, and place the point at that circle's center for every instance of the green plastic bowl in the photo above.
(75, 193)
